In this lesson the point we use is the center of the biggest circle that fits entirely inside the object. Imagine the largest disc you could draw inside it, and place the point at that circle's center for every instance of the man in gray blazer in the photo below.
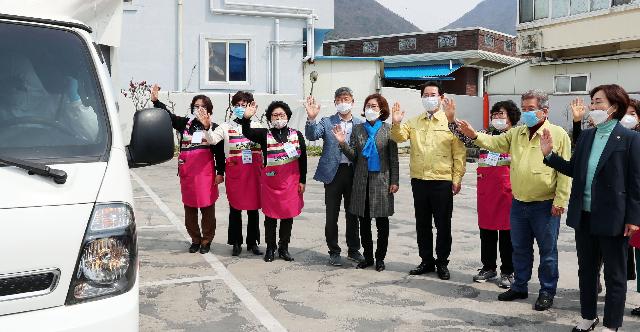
(335, 171)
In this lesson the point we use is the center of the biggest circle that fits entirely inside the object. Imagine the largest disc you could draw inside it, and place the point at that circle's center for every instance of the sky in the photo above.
(430, 15)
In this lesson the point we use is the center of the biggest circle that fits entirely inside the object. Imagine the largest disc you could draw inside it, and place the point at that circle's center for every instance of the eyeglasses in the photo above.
(278, 115)
(375, 107)
(499, 115)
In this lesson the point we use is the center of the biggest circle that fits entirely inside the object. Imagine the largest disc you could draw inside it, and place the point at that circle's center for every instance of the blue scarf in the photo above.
(370, 150)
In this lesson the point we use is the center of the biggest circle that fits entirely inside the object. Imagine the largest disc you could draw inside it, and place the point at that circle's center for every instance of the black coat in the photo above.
(615, 193)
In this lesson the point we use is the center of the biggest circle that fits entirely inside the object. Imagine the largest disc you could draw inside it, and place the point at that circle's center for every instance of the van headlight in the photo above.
(107, 265)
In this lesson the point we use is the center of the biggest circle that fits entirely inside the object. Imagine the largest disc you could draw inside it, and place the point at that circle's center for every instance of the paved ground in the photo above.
(217, 292)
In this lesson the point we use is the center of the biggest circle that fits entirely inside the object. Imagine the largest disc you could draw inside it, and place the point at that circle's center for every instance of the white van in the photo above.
(68, 252)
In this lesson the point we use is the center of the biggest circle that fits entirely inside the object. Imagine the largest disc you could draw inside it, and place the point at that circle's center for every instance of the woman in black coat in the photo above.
(604, 206)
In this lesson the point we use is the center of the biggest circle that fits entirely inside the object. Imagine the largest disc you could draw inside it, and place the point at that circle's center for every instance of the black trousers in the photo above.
(614, 251)
(234, 234)
(492, 241)
(334, 192)
(270, 226)
(433, 200)
(382, 225)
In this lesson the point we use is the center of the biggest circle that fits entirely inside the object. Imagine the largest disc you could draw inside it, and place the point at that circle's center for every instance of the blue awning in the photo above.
(430, 72)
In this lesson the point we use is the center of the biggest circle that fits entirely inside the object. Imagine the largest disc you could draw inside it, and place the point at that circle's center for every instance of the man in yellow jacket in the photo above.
(437, 164)
(540, 195)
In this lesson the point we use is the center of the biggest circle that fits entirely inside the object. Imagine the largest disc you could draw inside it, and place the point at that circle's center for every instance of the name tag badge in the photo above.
(197, 137)
(492, 159)
(272, 173)
(247, 157)
(290, 150)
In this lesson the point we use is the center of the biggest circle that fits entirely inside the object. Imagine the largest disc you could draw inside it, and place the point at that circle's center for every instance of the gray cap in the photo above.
(343, 90)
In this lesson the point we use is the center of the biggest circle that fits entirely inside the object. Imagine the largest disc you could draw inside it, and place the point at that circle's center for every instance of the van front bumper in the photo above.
(118, 313)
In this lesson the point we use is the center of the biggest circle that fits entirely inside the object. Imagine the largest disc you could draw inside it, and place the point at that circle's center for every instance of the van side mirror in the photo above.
(151, 138)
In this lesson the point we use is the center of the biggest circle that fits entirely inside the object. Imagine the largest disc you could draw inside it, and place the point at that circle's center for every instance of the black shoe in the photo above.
(544, 302)
(422, 269)
(255, 250)
(269, 256)
(237, 249)
(205, 248)
(443, 272)
(591, 328)
(511, 295)
(364, 264)
(194, 248)
(636, 311)
(283, 252)
(380, 266)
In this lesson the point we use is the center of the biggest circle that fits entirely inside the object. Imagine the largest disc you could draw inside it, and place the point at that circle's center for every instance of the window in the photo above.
(541, 9)
(370, 47)
(337, 50)
(599, 4)
(571, 83)
(489, 40)
(526, 11)
(560, 8)
(579, 6)
(508, 45)
(407, 44)
(227, 61)
(447, 41)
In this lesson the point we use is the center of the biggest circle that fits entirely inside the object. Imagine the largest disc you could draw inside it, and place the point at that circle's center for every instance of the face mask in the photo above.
(279, 124)
(430, 103)
(500, 124)
(343, 108)
(238, 111)
(599, 116)
(629, 121)
(530, 118)
(371, 115)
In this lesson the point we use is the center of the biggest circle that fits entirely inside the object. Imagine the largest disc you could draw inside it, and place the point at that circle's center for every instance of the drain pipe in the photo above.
(276, 58)
(180, 48)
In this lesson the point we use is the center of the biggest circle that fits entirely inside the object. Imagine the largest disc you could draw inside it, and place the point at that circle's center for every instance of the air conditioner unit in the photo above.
(529, 42)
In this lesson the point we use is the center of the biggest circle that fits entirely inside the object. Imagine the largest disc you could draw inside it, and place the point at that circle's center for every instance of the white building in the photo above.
(573, 47)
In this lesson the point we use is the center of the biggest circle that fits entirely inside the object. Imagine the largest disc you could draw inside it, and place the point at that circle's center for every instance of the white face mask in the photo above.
(599, 116)
(279, 124)
(371, 115)
(500, 124)
(430, 103)
(343, 108)
(629, 121)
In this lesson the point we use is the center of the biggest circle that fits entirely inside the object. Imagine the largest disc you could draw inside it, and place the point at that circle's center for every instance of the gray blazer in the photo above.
(380, 199)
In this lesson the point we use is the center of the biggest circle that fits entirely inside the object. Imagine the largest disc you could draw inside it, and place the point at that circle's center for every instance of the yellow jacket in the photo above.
(435, 153)
(531, 179)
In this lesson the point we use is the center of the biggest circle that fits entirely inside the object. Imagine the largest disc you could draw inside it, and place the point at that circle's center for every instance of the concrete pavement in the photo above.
(217, 292)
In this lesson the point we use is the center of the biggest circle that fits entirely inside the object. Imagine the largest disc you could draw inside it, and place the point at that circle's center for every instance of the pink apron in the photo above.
(196, 168)
(243, 175)
(280, 179)
(494, 193)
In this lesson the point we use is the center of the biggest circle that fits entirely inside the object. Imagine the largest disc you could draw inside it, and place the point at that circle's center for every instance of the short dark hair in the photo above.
(245, 96)
(513, 112)
(635, 103)
(343, 91)
(382, 103)
(207, 103)
(431, 83)
(616, 95)
(278, 104)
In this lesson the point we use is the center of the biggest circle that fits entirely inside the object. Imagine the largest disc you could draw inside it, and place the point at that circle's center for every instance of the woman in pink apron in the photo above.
(197, 169)
(494, 199)
(283, 177)
(243, 167)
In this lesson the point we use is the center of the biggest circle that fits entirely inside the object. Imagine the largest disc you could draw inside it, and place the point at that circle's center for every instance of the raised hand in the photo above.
(449, 109)
(466, 129)
(577, 109)
(204, 118)
(154, 92)
(251, 110)
(546, 142)
(396, 113)
(312, 108)
(339, 133)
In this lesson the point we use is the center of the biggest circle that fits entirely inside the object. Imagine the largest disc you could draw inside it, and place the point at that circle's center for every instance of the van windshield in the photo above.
(51, 105)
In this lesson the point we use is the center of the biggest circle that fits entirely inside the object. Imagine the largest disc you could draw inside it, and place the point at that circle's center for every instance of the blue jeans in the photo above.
(529, 221)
